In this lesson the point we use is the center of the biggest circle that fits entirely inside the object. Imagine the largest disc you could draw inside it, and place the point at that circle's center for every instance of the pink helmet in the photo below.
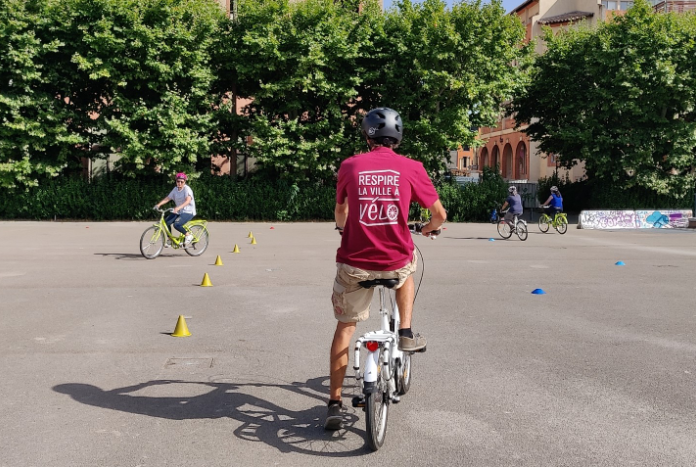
(181, 175)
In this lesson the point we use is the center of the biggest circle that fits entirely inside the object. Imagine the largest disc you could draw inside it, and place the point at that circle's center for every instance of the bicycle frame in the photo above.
(177, 242)
(388, 341)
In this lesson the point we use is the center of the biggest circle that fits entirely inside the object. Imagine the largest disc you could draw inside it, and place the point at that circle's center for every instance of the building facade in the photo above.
(517, 157)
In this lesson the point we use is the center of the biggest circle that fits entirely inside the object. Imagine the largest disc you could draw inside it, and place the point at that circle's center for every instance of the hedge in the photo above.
(221, 198)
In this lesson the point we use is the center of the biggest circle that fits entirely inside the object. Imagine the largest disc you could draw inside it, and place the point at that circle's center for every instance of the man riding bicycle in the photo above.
(373, 196)
(515, 202)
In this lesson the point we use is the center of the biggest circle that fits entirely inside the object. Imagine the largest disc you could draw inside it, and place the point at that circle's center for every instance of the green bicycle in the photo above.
(559, 222)
(153, 239)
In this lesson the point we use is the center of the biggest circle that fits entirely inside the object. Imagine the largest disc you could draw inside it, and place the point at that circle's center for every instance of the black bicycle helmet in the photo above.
(383, 123)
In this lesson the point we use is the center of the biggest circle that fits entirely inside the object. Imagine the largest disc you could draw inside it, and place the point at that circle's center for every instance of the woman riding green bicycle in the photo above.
(185, 209)
(553, 213)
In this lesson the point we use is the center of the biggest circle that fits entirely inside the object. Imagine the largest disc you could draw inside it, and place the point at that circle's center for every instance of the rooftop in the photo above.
(567, 17)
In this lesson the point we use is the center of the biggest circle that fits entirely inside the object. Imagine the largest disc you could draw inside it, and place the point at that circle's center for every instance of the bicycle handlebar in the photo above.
(163, 210)
(416, 229)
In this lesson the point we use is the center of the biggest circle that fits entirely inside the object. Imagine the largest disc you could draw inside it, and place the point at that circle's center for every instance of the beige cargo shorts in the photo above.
(351, 303)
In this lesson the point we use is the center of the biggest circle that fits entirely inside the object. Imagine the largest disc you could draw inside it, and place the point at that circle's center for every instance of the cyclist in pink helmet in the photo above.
(185, 209)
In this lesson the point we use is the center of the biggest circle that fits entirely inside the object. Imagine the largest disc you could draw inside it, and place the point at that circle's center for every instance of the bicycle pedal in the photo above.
(358, 402)
(420, 350)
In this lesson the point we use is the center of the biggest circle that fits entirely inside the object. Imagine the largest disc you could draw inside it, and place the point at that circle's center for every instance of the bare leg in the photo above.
(339, 357)
(404, 300)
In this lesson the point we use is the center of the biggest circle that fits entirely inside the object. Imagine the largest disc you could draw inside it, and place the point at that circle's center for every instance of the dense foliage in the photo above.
(621, 99)
(156, 82)
(599, 194)
(220, 198)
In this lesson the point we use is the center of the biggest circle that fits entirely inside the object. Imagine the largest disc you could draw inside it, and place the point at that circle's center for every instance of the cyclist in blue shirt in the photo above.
(515, 203)
(554, 204)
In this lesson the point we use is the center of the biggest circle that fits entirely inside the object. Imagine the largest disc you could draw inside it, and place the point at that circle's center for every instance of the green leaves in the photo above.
(620, 98)
(164, 84)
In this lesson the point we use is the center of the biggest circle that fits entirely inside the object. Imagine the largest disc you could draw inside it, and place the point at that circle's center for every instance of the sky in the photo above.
(508, 4)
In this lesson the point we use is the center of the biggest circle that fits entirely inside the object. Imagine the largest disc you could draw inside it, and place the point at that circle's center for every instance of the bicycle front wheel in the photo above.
(376, 411)
(521, 231)
(403, 374)
(504, 229)
(200, 240)
(544, 223)
(152, 242)
(562, 225)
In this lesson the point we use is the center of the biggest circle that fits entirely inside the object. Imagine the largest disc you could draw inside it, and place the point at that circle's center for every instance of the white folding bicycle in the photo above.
(387, 370)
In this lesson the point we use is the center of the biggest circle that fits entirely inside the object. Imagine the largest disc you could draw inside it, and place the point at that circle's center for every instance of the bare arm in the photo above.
(341, 214)
(548, 200)
(437, 218)
(504, 206)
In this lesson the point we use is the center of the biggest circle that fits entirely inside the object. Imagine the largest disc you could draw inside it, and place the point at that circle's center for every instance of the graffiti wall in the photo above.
(645, 219)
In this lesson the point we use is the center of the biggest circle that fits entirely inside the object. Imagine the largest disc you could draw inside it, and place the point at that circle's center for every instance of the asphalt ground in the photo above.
(599, 371)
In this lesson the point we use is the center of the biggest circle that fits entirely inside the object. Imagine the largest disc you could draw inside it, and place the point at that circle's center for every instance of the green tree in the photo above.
(621, 99)
(138, 76)
(448, 71)
(34, 140)
(313, 68)
(84, 78)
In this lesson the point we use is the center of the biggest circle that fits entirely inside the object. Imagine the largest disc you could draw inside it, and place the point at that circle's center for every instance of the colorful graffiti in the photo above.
(643, 219)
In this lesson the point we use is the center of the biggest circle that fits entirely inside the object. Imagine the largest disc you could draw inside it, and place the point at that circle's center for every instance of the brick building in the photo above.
(511, 149)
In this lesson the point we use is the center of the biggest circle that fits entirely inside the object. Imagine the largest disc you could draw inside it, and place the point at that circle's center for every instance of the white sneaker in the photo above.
(168, 244)
(188, 239)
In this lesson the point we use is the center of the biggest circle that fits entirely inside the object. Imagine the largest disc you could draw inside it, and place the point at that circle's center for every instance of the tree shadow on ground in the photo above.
(263, 421)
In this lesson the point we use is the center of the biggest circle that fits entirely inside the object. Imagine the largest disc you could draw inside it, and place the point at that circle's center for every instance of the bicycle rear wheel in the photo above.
(504, 229)
(521, 231)
(152, 242)
(562, 225)
(544, 223)
(200, 240)
(403, 374)
(377, 411)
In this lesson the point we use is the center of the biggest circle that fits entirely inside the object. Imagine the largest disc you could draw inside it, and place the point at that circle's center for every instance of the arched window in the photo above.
(521, 165)
(483, 159)
(495, 159)
(507, 162)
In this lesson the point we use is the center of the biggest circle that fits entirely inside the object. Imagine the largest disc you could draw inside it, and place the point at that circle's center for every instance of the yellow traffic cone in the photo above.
(236, 249)
(218, 261)
(251, 235)
(206, 281)
(253, 241)
(181, 329)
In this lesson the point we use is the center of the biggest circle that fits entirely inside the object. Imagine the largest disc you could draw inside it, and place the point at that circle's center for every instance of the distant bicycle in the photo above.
(519, 228)
(153, 239)
(559, 222)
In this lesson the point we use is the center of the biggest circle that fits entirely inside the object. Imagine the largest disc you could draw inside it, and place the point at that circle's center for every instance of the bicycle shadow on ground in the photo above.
(130, 256)
(300, 431)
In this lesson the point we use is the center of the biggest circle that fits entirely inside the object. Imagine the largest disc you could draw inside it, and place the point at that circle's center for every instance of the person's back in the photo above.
(554, 203)
(515, 202)
(373, 196)
(379, 187)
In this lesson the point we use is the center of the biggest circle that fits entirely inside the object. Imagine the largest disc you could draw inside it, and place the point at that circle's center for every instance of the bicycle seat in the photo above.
(388, 283)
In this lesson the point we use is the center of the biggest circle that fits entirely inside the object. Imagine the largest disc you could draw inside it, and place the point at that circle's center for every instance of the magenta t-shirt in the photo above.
(380, 186)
